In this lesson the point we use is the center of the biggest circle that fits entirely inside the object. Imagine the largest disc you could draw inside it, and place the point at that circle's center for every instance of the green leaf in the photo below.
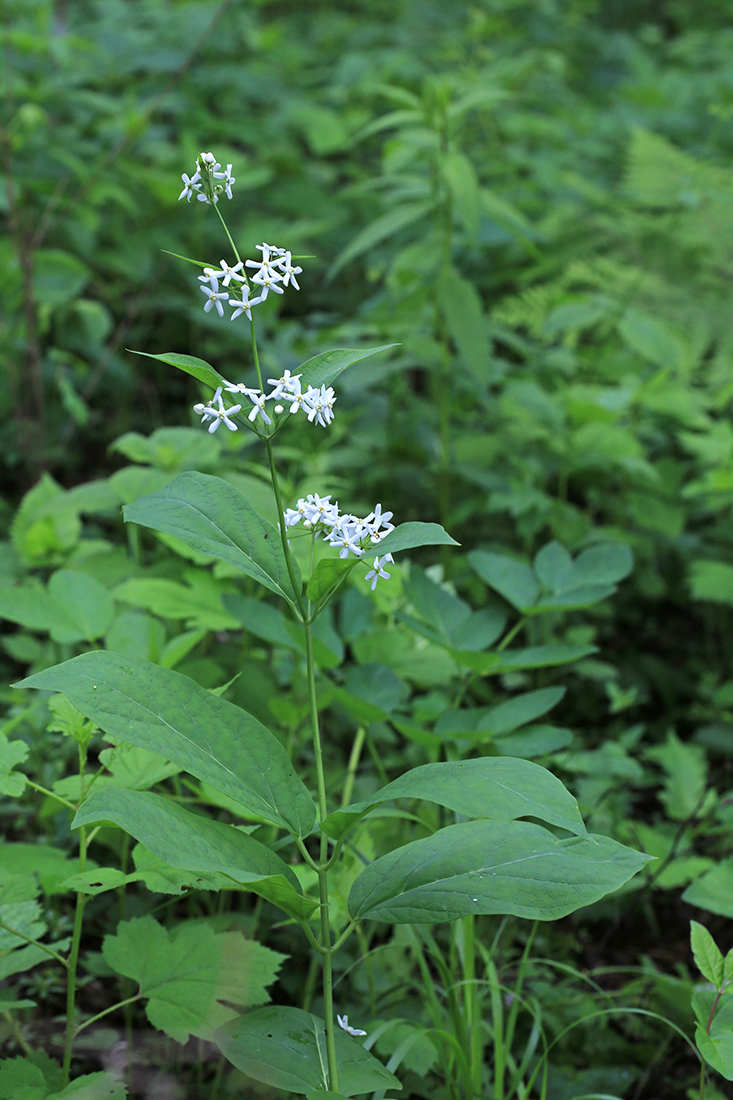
(496, 721)
(69, 720)
(201, 609)
(409, 535)
(91, 1086)
(191, 842)
(463, 314)
(11, 753)
(323, 369)
(58, 277)
(285, 1048)
(512, 579)
(499, 788)
(135, 768)
(510, 660)
(188, 363)
(651, 338)
(717, 1046)
(214, 518)
(327, 576)
(708, 956)
(188, 973)
(460, 175)
(169, 714)
(380, 229)
(75, 608)
(513, 867)
(712, 580)
(713, 890)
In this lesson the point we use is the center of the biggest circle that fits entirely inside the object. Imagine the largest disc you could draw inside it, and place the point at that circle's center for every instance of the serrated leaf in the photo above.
(214, 518)
(463, 315)
(191, 842)
(187, 973)
(707, 954)
(498, 788)
(198, 368)
(286, 1048)
(380, 229)
(12, 753)
(512, 867)
(171, 715)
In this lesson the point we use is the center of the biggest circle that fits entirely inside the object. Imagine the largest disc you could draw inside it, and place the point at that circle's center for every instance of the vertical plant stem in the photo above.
(473, 1014)
(71, 970)
(322, 869)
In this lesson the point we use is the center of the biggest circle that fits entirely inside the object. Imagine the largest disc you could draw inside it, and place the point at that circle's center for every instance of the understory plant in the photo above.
(480, 830)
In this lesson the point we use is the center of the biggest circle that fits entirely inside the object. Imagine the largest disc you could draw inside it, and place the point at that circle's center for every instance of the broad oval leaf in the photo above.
(198, 368)
(512, 867)
(170, 714)
(322, 369)
(191, 842)
(214, 518)
(512, 579)
(409, 535)
(285, 1048)
(537, 656)
(500, 788)
(495, 721)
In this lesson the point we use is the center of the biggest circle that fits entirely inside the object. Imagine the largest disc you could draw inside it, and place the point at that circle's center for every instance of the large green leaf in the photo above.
(190, 974)
(512, 579)
(511, 867)
(170, 714)
(214, 518)
(323, 369)
(191, 842)
(409, 535)
(380, 229)
(285, 1048)
(500, 788)
(199, 368)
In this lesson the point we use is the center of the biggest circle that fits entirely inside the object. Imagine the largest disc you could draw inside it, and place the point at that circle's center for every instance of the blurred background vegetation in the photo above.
(533, 197)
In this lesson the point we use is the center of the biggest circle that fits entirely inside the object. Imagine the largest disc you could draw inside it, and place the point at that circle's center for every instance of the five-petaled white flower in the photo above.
(258, 402)
(214, 295)
(244, 305)
(217, 416)
(343, 1022)
(379, 570)
(191, 184)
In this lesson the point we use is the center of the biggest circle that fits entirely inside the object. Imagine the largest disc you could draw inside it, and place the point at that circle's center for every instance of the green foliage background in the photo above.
(535, 200)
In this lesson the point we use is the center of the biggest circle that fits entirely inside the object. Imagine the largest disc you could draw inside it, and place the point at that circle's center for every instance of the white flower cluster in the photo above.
(345, 532)
(202, 184)
(316, 402)
(273, 272)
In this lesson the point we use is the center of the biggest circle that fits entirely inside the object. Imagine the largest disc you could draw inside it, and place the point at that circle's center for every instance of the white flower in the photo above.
(258, 401)
(245, 305)
(190, 185)
(214, 295)
(208, 412)
(288, 385)
(377, 519)
(318, 404)
(228, 180)
(285, 263)
(267, 278)
(239, 387)
(228, 272)
(343, 1022)
(379, 570)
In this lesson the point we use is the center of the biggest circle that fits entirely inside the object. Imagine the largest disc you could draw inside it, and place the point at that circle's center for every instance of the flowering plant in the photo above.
(487, 861)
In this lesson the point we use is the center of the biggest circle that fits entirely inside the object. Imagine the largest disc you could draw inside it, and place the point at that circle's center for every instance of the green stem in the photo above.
(352, 766)
(106, 1012)
(283, 535)
(326, 945)
(81, 900)
(29, 939)
(473, 1014)
(226, 230)
(50, 794)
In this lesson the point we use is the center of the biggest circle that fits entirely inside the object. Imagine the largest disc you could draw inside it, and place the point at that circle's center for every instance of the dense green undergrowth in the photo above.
(534, 201)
